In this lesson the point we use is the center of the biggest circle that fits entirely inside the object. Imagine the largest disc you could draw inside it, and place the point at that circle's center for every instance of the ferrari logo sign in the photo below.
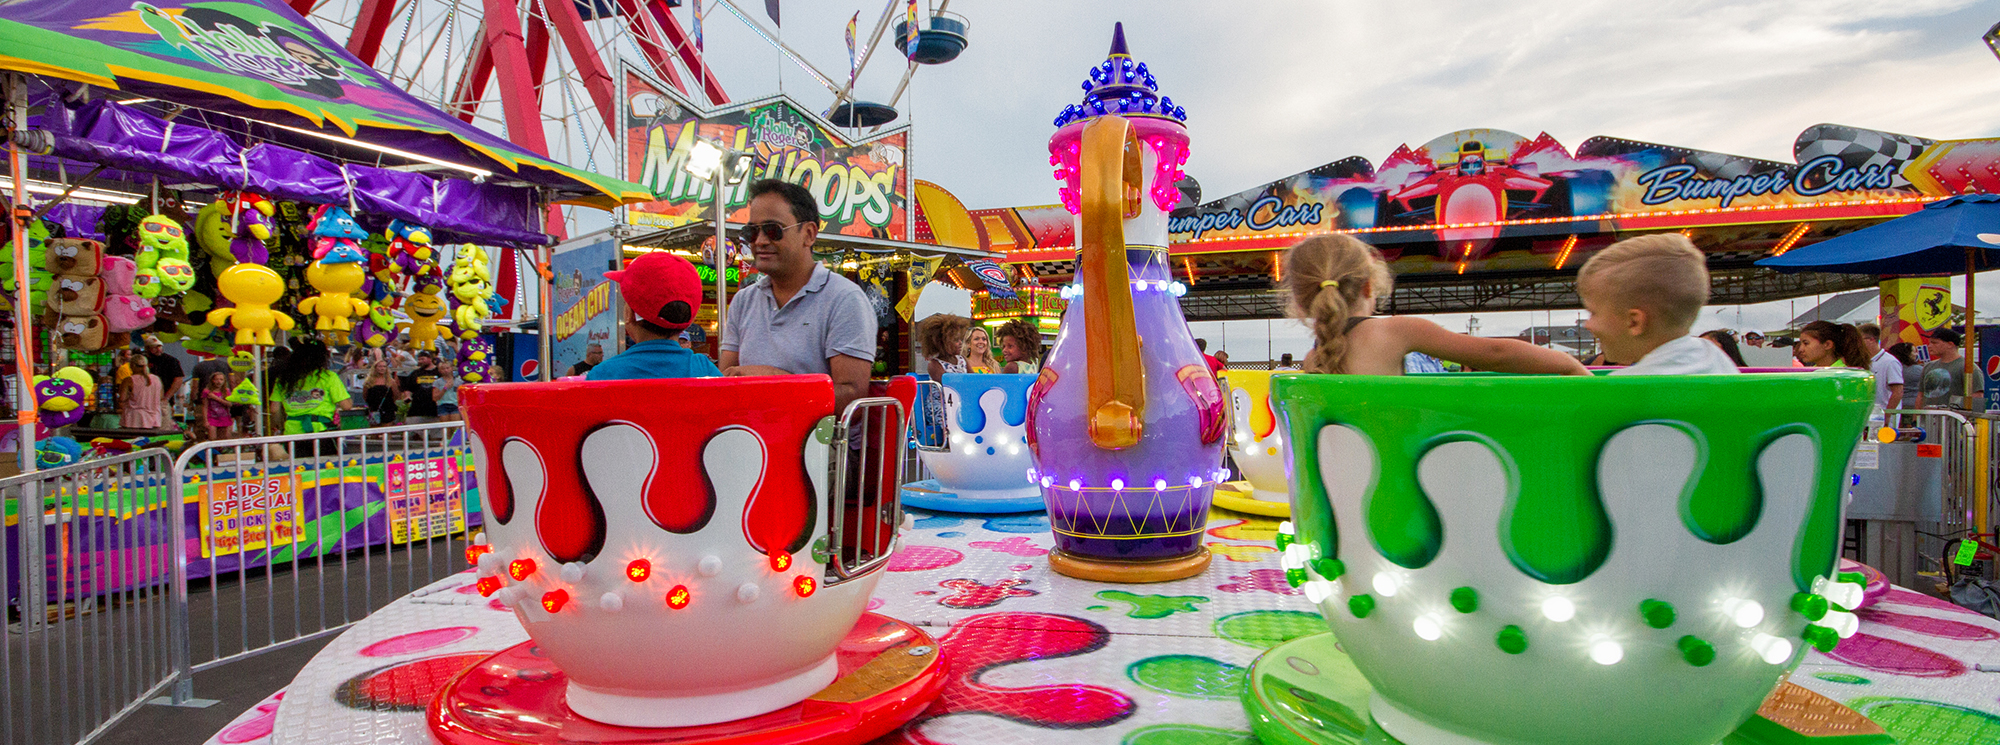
(1933, 307)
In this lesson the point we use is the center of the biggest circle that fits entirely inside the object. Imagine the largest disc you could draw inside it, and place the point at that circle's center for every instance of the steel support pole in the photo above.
(721, 249)
(16, 97)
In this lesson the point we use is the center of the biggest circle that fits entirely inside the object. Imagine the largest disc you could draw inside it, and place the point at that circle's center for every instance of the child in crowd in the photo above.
(216, 417)
(1643, 295)
(1334, 282)
(1021, 344)
(1829, 344)
(664, 294)
(943, 339)
(979, 352)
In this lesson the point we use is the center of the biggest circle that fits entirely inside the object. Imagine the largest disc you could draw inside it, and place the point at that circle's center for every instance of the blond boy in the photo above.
(1643, 295)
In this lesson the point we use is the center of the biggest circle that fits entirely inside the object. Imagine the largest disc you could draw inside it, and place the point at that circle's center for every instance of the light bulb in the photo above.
(1317, 591)
(1842, 622)
(1773, 649)
(1031, 474)
(1118, 485)
(1606, 652)
(1075, 485)
(1385, 584)
(1844, 594)
(1194, 481)
(1559, 609)
(1047, 482)
(1295, 556)
(1746, 613)
(1286, 528)
(1427, 628)
(1159, 484)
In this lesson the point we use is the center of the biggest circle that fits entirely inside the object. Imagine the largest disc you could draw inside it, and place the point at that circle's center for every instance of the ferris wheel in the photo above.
(544, 72)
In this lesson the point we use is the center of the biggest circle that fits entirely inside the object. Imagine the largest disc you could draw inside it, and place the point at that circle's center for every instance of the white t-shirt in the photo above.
(1688, 355)
(1888, 372)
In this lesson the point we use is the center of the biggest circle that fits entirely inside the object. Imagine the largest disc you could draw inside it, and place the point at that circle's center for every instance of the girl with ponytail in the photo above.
(1829, 344)
(1334, 282)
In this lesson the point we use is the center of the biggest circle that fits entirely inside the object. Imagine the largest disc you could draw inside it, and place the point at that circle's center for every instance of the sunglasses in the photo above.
(772, 231)
(171, 231)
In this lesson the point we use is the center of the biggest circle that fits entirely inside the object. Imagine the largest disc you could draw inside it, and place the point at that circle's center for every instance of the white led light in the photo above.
(1427, 628)
(1291, 560)
(969, 449)
(1844, 594)
(1242, 439)
(1298, 553)
(1744, 612)
(1606, 652)
(1558, 609)
(1031, 474)
(1075, 485)
(1773, 649)
(1118, 485)
(1317, 591)
(1048, 482)
(1286, 528)
(958, 438)
(1194, 481)
(1159, 484)
(1385, 584)
(1842, 623)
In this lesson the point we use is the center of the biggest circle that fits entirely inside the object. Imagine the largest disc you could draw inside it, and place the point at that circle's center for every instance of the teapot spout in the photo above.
(1109, 179)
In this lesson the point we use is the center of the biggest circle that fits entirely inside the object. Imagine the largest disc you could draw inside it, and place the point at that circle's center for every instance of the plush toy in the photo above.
(427, 314)
(253, 288)
(471, 285)
(204, 339)
(160, 238)
(475, 359)
(335, 303)
(253, 227)
(344, 253)
(57, 451)
(333, 227)
(169, 277)
(243, 362)
(128, 313)
(87, 333)
(76, 296)
(64, 398)
(213, 234)
(73, 256)
(119, 273)
(409, 238)
(377, 328)
(245, 393)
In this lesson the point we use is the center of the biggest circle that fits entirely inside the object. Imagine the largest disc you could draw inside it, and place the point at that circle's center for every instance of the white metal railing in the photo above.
(88, 567)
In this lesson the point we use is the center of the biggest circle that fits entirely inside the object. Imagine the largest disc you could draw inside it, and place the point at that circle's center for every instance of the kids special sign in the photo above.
(863, 188)
(1489, 198)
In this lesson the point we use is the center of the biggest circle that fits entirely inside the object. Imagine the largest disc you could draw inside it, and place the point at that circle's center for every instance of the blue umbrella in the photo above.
(1945, 237)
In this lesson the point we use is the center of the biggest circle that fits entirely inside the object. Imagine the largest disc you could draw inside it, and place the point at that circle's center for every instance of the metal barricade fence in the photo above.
(89, 571)
(302, 535)
(1948, 437)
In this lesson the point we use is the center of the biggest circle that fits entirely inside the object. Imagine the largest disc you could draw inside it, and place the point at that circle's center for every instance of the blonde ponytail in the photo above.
(1326, 277)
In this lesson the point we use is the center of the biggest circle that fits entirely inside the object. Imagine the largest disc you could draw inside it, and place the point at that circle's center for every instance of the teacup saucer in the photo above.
(931, 495)
(1236, 496)
(889, 671)
(1307, 692)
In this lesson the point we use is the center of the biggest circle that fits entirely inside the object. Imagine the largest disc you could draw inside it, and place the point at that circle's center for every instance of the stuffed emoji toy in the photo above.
(169, 277)
(73, 256)
(336, 301)
(87, 333)
(245, 392)
(204, 340)
(76, 296)
(253, 288)
(251, 215)
(427, 312)
(377, 328)
(213, 234)
(160, 237)
(64, 398)
(475, 359)
(409, 238)
(333, 227)
(119, 274)
(128, 313)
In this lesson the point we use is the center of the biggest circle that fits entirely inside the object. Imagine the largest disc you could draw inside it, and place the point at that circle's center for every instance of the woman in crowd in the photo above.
(943, 339)
(1829, 344)
(979, 352)
(1727, 342)
(141, 395)
(1021, 345)
(378, 391)
(305, 392)
(1906, 355)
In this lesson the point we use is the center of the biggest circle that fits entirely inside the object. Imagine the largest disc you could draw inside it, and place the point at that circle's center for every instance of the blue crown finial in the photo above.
(1123, 86)
(1118, 39)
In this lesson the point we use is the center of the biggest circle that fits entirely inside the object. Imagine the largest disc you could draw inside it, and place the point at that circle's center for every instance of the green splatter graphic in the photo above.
(1555, 527)
(1265, 629)
(1188, 676)
(1332, 717)
(326, 530)
(1098, 607)
(1187, 734)
(1154, 606)
(1843, 678)
(1917, 722)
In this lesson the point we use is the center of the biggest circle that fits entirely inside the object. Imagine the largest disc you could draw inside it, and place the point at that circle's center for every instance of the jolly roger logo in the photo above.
(263, 50)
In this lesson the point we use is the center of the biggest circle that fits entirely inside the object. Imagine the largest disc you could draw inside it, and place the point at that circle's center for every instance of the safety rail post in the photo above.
(306, 556)
(866, 442)
(1956, 437)
(92, 643)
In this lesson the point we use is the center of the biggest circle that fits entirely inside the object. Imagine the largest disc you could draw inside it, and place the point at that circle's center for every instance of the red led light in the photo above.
(474, 551)
(781, 561)
(519, 569)
(554, 600)
(804, 586)
(488, 586)
(639, 570)
(678, 597)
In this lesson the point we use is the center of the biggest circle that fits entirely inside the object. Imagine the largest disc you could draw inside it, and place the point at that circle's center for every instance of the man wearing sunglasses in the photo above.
(798, 318)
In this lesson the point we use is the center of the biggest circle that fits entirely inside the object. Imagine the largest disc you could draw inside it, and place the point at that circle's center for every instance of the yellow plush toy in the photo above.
(253, 288)
(335, 303)
(426, 312)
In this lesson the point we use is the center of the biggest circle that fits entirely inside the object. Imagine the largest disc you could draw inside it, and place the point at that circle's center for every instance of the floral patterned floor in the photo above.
(1041, 658)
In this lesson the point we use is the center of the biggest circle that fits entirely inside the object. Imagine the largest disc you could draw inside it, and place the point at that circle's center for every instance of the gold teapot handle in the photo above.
(1111, 179)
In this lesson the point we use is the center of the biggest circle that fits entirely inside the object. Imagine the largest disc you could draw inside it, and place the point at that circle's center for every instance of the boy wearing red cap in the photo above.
(663, 292)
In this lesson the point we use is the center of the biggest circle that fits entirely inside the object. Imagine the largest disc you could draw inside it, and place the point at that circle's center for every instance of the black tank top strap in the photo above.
(1353, 322)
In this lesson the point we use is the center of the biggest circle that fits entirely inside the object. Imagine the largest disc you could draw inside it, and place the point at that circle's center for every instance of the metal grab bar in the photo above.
(864, 495)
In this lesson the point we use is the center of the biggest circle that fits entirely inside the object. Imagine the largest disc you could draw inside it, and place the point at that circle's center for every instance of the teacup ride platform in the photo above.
(970, 429)
(653, 621)
(1257, 445)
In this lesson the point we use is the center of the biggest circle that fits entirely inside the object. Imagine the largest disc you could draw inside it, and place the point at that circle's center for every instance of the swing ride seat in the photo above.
(942, 42)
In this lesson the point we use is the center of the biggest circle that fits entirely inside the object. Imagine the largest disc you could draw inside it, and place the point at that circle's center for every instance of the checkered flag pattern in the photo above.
(1860, 148)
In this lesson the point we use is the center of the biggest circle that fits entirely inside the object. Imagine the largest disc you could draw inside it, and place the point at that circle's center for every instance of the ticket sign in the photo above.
(426, 499)
(248, 514)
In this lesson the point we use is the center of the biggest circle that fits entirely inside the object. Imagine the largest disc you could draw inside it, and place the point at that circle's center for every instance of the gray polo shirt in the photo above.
(829, 316)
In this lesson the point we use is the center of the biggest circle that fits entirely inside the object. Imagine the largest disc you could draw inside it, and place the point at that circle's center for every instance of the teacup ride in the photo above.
(1257, 444)
(1125, 420)
(693, 570)
(978, 450)
(1638, 560)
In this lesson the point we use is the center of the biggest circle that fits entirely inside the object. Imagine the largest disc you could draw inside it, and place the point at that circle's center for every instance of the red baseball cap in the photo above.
(661, 288)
